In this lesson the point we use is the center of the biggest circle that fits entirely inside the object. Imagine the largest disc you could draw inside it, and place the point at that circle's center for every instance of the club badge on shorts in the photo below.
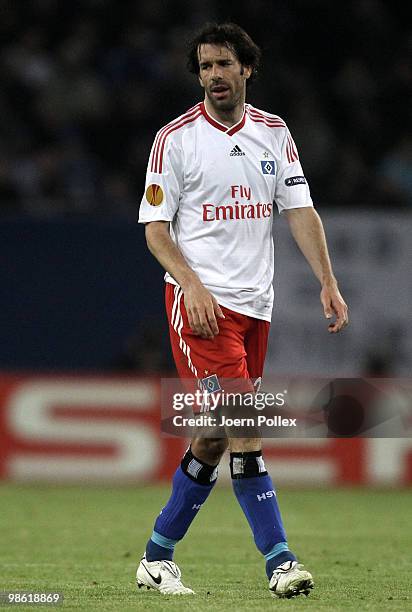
(211, 384)
(268, 166)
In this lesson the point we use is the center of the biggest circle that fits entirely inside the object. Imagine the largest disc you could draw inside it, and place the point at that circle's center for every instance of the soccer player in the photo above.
(213, 177)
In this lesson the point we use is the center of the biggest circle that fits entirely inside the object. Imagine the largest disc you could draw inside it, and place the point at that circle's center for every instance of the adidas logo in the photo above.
(236, 151)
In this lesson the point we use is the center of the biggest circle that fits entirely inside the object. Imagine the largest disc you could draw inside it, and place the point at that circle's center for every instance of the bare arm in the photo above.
(307, 229)
(201, 306)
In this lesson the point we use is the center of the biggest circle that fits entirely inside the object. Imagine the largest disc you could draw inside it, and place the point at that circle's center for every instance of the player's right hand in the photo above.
(334, 304)
(202, 311)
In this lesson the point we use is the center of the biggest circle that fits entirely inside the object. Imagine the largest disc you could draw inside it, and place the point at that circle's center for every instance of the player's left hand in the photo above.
(334, 304)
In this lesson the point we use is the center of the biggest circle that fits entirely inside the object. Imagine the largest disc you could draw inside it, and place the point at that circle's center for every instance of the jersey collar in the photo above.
(220, 126)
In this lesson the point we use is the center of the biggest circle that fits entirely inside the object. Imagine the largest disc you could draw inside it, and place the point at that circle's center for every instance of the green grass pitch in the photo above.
(85, 542)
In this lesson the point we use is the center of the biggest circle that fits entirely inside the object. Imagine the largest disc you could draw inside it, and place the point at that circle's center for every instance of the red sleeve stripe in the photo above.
(158, 168)
(271, 125)
(166, 134)
(160, 133)
(256, 111)
(291, 151)
(288, 152)
(295, 151)
(259, 117)
(154, 161)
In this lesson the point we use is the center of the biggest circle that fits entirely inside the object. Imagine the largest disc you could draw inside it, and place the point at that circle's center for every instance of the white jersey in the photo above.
(217, 185)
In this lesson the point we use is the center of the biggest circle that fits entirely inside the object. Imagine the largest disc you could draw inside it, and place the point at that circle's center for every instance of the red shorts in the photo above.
(238, 351)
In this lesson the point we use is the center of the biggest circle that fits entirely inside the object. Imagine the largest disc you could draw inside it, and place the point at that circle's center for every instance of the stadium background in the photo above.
(83, 340)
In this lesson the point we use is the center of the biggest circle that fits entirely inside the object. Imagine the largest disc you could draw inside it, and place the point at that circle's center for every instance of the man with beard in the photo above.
(213, 176)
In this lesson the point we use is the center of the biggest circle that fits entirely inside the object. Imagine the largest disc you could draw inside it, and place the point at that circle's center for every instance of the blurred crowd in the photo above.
(86, 84)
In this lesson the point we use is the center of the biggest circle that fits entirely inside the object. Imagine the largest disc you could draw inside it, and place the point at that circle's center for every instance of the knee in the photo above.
(216, 447)
(209, 450)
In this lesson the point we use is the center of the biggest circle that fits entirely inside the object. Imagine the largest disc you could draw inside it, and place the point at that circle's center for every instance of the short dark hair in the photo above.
(231, 36)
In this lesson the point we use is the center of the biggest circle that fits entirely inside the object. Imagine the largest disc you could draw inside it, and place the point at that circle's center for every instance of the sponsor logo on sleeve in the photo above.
(154, 195)
(295, 180)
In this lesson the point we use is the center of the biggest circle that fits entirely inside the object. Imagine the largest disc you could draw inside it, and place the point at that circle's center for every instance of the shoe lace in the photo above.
(282, 571)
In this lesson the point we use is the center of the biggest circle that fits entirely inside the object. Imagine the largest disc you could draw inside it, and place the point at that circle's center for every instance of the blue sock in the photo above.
(192, 483)
(255, 493)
